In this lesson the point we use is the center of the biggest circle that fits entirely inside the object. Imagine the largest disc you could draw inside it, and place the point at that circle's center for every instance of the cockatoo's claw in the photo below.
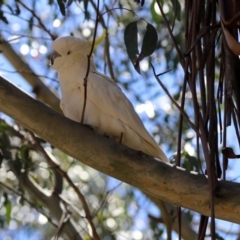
(105, 135)
(121, 136)
(141, 154)
(89, 126)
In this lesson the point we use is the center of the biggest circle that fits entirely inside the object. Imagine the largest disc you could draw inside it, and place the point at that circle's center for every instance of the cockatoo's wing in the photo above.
(109, 99)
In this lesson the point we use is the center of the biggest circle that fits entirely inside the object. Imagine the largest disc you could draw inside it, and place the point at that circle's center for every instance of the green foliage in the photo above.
(61, 6)
(5, 141)
(140, 1)
(131, 42)
(190, 163)
(176, 9)
(219, 237)
(8, 207)
(3, 18)
(149, 41)
(157, 230)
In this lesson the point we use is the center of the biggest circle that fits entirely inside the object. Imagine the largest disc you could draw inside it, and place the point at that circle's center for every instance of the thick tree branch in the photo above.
(171, 184)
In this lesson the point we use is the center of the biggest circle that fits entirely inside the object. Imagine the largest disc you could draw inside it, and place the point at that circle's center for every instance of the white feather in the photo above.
(108, 110)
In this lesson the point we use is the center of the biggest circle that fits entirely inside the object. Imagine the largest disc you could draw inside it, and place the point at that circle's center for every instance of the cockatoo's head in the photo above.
(69, 51)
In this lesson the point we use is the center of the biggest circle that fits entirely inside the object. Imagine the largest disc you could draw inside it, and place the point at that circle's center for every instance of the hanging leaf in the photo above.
(177, 9)
(85, 3)
(3, 18)
(8, 212)
(86, 12)
(30, 23)
(17, 11)
(137, 67)
(61, 6)
(4, 141)
(9, 8)
(24, 151)
(130, 40)
(3, 127)
(69, 3)
(140, 1)
(12, 10)
(8, 207)
(149, 41)
(149, 45)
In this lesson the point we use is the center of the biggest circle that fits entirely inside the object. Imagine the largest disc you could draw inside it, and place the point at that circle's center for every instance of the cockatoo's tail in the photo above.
(108, 110)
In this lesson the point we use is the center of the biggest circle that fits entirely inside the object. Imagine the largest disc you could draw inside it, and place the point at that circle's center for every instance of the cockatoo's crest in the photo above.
(99, 39)
(68, 51)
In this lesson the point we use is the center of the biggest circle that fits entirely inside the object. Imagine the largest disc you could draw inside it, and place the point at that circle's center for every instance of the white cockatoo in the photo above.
(108, 111)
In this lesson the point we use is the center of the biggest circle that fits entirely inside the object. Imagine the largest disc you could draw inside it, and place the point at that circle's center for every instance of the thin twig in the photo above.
(28, 72)
(171, 34)
(24, 19)
(174, 102)
(107, 44)
(65, 176)
(88, 66)
(66, 215)
(203, 32)
(117, 8)
(19, 36)
(105, 199)
(38, 19)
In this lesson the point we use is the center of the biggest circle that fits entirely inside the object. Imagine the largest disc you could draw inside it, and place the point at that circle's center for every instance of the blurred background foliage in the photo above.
(118, 211)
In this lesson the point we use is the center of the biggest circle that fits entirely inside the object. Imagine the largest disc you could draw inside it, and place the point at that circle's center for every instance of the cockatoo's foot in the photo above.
(140, 154)
(89, 126)
(121, 136)
(105, 135)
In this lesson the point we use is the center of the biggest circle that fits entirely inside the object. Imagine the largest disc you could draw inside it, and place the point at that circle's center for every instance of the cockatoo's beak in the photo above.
(53, 56)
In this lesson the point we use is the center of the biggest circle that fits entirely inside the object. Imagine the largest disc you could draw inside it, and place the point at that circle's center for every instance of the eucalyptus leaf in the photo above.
(149, 41)
(130, 40)
(61, 6)
(2, 17)
(8, 206)
(177, 9)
